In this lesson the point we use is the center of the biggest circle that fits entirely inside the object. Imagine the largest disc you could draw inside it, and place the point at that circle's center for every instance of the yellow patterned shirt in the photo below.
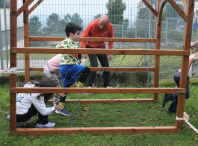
(67, 59)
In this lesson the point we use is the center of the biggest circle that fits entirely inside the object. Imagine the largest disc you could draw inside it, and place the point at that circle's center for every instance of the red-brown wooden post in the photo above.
(13, 63)
(26, 43)
(185, 61)
(157, 46)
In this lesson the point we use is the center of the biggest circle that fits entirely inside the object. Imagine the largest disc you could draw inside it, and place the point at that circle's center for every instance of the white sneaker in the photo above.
(48, 125)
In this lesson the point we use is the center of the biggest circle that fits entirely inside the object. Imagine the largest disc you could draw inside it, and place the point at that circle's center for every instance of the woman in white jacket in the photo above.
(30, 104)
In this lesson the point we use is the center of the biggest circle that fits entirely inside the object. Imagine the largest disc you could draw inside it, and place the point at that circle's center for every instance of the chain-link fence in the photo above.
(130, 19)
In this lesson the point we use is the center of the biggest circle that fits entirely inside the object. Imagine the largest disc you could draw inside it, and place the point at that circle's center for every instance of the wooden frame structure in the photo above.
(187, 15)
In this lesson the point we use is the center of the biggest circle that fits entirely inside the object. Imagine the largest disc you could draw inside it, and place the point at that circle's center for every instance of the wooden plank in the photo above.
(25, 5)
(110, 69)
(179, 10)
(150, 7)
(35, 6)
(97, 130)
(101, 51)
(26, 43)
(160, 8)
(157, 48)
(107, 101)
(13, 63)
(96, 90)
(96, 39)
(185, 62)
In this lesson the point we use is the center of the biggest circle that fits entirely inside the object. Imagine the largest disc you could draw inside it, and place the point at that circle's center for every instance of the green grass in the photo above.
(107, 115)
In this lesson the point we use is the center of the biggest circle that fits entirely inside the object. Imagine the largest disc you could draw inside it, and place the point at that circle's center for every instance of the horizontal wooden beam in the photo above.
(101, 51)
(108, 101)
(97, 90)
(96, 39)
(110, 69)
(178, 9)
(96, 130)
(150, 7)
(25, 5)
(34, 7)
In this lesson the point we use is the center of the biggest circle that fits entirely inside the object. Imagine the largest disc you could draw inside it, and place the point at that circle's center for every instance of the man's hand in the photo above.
(110, 57)
(189, 82)
(85, 55)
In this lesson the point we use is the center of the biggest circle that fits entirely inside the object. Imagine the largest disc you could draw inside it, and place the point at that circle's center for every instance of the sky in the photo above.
(87, 9)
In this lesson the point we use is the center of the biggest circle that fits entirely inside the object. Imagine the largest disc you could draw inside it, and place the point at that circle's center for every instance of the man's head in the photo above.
(72, 31)
(103, 21)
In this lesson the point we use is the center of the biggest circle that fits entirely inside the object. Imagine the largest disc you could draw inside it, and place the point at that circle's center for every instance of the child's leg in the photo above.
(42, 119)
(31, 112)
(83, 77)
(168, 96)
(173, 106)
(62, 99)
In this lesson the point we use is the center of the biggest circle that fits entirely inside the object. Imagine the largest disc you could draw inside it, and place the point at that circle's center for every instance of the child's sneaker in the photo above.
(8, 117)
(63, 112)
(48, 125)
(18, 124)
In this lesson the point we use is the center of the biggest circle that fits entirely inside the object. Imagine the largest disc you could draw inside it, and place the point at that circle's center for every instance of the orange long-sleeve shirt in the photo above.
(93, 30)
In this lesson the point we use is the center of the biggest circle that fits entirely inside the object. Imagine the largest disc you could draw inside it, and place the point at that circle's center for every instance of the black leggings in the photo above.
(82, 79)
(32, 112)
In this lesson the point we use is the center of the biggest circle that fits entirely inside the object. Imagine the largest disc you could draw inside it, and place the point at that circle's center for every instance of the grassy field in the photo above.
(107, 115)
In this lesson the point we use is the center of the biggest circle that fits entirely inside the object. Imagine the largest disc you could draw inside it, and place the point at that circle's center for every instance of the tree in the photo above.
(75, 18)
(97, 16)
(168, 10)
(61, 27)
(52, 23)
(7, 3)
(143, 9)
(115, 11)
(34, 25)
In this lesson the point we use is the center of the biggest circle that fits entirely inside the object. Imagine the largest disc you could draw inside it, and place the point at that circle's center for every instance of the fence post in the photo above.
(166, 29)
(136, 29)
(145, 44)
(6, 36)
(150, 45)
(1, 49)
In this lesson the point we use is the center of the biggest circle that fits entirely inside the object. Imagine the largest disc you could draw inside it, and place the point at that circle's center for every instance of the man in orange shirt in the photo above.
(100, 27)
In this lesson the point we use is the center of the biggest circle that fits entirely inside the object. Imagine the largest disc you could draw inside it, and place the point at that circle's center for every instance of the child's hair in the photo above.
(72, 28)
(45, 82)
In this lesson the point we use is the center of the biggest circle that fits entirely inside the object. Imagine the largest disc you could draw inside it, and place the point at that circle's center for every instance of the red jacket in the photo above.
(93, 30)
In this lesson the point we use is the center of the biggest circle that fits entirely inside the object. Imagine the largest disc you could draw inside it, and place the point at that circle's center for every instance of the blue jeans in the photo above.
(69, 73)
(174, 97)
